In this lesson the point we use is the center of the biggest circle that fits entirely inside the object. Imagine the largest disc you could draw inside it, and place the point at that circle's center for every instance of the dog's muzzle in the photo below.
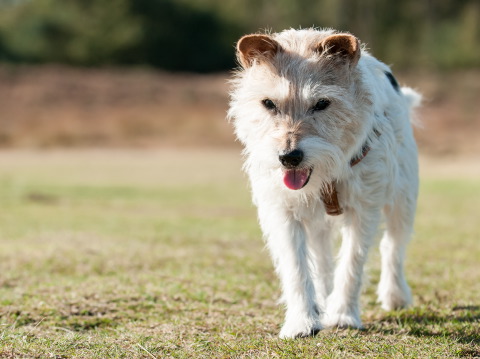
(294, 176)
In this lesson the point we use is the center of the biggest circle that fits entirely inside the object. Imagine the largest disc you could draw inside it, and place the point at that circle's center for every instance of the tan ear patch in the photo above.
(345, 46)
(252, 47)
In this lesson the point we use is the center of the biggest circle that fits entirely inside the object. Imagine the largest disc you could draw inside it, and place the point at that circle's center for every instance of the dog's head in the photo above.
(299, 104)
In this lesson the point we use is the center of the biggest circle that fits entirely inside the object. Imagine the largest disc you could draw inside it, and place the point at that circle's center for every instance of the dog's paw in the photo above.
(394, 296)
(342, 320)
(300, 329)
(341, 315)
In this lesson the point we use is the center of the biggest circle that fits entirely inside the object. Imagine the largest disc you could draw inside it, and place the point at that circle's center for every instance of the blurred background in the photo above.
(153, 73)
(125, 223)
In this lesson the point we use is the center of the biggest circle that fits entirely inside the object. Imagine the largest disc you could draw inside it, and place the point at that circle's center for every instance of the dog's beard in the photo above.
(323, 163)
(326, 161)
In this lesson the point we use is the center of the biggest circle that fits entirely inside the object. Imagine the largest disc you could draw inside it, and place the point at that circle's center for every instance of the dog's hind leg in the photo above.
(393, 290)
(286, 240)
(343, 309)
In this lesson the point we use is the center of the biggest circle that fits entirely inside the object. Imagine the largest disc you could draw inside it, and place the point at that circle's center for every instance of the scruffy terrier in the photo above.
(328, 145)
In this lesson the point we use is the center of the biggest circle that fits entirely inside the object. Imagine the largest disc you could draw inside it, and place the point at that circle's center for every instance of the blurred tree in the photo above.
(161, 33)
(177, 36)
(84, 32)
(433, 33)
(199, 35)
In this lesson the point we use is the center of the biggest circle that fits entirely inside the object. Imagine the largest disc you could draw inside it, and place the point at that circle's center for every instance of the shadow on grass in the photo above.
(460, 323)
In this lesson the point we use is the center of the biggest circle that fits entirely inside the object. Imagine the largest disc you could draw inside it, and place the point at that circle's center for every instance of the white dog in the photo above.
(328, 144)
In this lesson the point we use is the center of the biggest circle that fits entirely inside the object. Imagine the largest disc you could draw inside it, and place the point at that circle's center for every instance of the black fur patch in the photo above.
(393, 81)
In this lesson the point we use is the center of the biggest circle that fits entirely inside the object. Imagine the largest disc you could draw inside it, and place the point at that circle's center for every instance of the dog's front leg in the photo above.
(319, 243)
(286, 240)
(343, 308)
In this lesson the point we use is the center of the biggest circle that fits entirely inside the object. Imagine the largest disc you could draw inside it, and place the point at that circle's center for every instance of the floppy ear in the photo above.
(344, 46)
(256, 47)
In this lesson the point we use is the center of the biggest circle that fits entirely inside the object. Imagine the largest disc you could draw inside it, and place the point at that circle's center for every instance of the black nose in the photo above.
(291, 159)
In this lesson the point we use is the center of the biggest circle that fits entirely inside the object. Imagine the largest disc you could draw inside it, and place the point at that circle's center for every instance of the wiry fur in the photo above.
(297, 230)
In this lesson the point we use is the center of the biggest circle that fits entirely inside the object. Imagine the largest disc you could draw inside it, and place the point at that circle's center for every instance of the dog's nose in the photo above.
(291, 159)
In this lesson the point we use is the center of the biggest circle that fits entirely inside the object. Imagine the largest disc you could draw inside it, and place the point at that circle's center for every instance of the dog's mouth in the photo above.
(297, 178)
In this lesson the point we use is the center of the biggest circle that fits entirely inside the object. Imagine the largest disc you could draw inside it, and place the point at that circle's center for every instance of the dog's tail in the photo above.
(413, 100)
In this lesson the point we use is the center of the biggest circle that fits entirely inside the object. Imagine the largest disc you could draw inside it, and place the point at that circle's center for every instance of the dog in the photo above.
(328, 145)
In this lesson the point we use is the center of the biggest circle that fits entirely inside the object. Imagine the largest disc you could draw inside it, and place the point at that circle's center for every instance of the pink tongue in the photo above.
(296, 179)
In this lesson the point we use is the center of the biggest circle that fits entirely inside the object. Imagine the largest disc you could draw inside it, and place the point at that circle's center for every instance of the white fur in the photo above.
(384, 184)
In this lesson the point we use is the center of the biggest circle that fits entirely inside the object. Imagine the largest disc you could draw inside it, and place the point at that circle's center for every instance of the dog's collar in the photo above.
(365, 149)
(329, 192)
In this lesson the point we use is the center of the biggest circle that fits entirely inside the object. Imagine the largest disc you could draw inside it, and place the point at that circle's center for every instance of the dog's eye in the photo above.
(321, 105)
(269, 104)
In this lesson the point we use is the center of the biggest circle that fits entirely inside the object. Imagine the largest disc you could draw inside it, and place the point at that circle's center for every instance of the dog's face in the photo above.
(299, 105)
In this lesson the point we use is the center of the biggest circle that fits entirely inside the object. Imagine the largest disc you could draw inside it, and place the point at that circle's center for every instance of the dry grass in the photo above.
(142, 254)
(58, 106)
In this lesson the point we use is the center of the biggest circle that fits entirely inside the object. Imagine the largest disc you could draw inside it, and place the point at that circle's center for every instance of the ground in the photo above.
(149, 253)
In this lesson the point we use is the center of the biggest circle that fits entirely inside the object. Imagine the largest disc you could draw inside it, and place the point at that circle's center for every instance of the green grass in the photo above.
(158, 254)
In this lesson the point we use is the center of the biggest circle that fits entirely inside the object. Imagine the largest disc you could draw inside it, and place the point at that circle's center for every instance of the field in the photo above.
(156, 254)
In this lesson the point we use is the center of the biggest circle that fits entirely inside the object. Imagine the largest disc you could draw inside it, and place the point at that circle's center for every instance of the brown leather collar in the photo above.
(329, 192)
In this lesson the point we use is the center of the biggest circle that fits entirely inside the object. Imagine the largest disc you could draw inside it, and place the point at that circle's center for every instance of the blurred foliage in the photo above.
(85, 32)
(177, 36)
(160, 33)
(199, 35)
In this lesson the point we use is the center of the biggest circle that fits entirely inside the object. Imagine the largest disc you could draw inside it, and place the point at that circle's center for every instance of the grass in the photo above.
(143, 254)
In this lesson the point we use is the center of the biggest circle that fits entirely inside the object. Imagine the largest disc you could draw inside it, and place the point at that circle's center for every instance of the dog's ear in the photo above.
(341, 46)
(256, 47)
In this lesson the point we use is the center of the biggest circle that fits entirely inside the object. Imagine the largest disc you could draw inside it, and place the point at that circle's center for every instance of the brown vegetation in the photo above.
(55, 106)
